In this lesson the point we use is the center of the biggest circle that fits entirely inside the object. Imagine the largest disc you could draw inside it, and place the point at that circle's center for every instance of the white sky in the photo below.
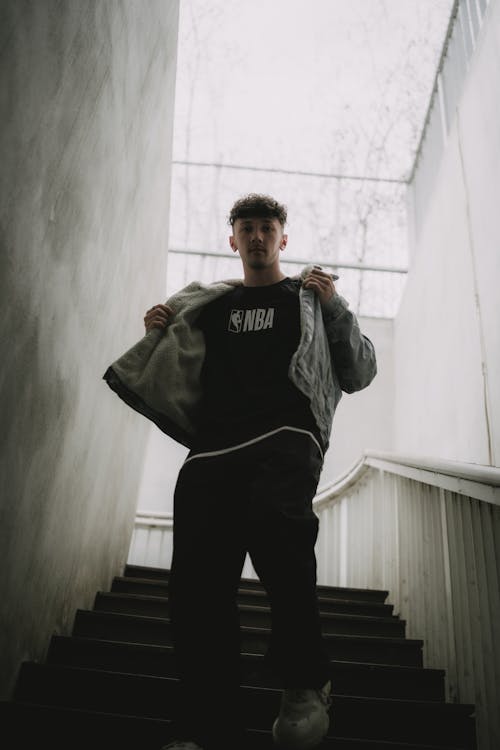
(331, 87)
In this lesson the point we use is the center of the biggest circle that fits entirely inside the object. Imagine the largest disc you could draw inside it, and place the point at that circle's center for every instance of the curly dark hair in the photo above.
(257, 204)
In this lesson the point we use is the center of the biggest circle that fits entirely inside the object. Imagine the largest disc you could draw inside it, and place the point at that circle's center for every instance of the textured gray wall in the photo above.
(86, 105)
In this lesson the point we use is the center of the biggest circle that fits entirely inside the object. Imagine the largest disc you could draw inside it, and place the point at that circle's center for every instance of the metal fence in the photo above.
(372, 290)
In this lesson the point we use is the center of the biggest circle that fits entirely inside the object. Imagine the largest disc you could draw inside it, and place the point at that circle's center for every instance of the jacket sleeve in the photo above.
(353, 354)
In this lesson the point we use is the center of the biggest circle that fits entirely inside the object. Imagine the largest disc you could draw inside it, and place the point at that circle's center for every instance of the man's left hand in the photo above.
(321, 283)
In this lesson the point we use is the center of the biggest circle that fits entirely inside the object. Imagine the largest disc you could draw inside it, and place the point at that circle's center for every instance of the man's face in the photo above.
(258, 240)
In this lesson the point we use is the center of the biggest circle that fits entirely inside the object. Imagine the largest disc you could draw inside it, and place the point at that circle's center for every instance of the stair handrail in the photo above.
(152, 518)
(469, 479)
(425, 529)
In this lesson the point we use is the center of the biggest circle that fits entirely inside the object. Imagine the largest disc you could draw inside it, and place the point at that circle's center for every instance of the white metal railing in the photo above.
(296, 261)
(151, 543)
(373, 289)
(428, 532)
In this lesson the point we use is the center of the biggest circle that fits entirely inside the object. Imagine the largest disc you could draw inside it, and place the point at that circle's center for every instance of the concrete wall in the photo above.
(87, 91)
(447, 337)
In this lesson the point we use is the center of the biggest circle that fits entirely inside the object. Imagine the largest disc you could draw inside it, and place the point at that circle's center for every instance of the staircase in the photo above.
(110, 684)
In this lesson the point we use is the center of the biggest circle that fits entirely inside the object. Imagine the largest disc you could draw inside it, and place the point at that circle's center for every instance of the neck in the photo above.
(262, 276)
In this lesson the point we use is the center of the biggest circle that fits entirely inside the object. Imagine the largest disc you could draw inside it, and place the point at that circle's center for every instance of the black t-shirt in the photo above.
(251, 334)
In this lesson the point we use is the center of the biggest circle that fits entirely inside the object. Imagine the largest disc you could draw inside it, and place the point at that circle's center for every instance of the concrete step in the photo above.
(111, 684)
(335, 592)
(249, 596)
(155, 630)
(253, 616)
(425, 722)
(349, 678)
(35, 725)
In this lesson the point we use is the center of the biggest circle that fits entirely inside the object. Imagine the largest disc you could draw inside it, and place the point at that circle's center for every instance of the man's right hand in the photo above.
(157, 317)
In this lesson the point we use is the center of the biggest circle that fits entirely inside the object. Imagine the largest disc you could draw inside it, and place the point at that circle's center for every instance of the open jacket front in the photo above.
(160, 376)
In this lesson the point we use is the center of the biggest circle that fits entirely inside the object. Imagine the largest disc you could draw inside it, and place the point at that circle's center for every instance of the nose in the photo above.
(257, 237)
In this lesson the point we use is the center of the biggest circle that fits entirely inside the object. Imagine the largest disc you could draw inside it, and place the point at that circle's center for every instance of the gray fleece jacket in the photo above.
(160, 376)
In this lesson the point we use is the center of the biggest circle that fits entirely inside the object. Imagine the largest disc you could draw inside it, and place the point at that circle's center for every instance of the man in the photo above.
(247, 374)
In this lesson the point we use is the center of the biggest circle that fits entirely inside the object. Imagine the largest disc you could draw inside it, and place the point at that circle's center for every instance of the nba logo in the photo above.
(235, 321)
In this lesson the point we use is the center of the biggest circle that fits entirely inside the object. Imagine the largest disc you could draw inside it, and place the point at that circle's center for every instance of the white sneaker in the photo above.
(182, 745)
(303, 719)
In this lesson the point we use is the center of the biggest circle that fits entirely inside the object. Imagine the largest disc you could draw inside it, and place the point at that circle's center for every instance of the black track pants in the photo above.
(257, 499)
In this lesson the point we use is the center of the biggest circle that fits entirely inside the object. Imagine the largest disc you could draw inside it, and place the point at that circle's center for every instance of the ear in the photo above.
(283, 242)
(233, 244)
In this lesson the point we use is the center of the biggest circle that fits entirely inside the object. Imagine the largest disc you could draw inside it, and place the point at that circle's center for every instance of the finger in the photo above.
(155, 323)
(325, 289)
(158, 310)
(321, 274)
(317, 282)
(155, 318)
(328, 275)
(166, 308)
